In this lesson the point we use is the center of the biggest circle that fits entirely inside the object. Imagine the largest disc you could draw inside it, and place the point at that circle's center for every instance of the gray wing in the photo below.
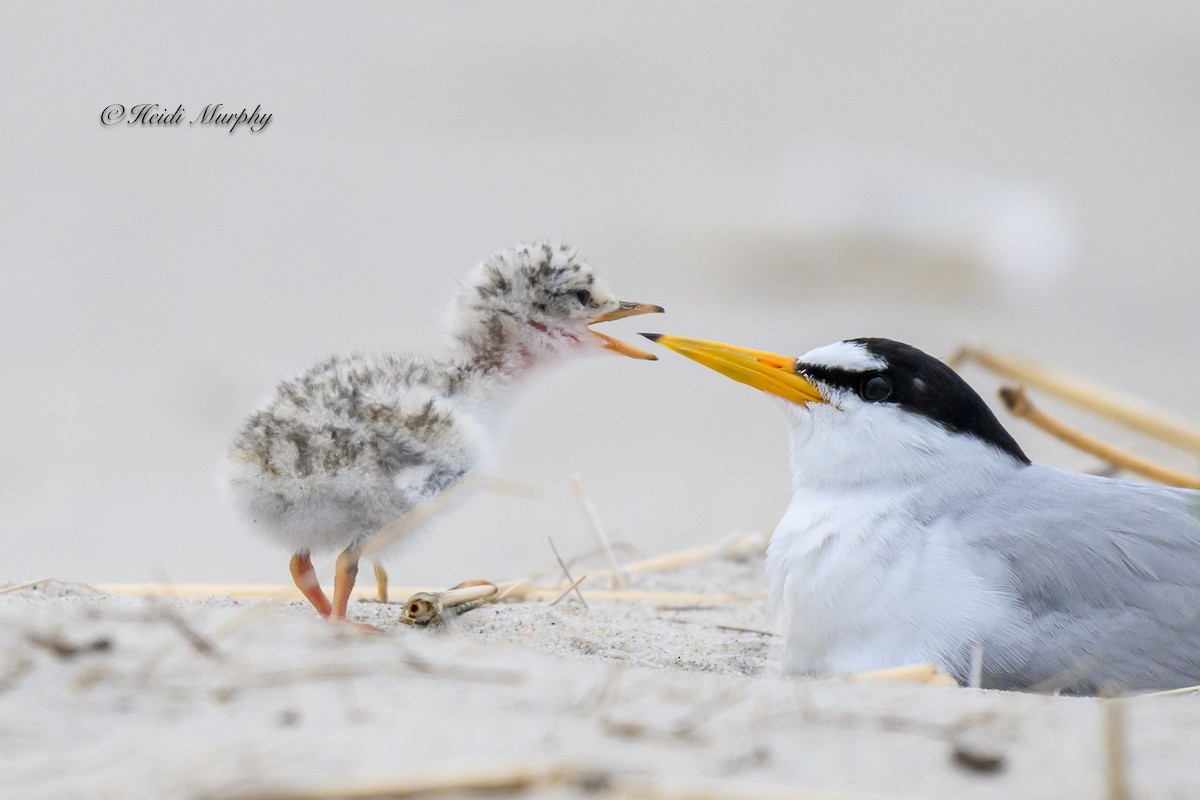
(1109, 572)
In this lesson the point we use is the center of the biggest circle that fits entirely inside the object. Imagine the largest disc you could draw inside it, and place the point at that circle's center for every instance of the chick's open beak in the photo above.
(616, 345)
(766, 371)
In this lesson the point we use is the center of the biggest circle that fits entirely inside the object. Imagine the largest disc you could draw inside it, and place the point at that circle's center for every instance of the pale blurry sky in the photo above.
(777, 175)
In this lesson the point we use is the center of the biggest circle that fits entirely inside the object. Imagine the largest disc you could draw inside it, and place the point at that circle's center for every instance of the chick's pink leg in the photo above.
(306, 581)
(344, 575)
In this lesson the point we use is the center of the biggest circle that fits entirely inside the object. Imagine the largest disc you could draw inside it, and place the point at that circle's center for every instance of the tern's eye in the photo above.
(876, 389)
(584, 297)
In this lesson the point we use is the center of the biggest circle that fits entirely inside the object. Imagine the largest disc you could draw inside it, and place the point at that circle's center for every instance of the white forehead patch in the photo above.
(852, 356)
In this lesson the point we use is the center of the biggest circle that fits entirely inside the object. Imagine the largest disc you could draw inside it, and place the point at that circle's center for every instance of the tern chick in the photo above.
(357, 441)
(918, 531)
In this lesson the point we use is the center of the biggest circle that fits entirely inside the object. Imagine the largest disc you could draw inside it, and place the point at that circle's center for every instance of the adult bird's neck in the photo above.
(837, 460)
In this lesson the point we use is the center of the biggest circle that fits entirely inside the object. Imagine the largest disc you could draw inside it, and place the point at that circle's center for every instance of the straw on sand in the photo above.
(504, 779)
(1018, 402)
(1086, 396)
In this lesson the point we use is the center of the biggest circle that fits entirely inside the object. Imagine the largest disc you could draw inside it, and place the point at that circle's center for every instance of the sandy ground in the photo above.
(105, 696)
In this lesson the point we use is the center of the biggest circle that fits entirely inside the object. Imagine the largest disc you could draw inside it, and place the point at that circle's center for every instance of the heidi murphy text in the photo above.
(213, 114)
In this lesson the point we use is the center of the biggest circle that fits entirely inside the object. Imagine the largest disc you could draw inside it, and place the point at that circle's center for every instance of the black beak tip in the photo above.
(651, 336)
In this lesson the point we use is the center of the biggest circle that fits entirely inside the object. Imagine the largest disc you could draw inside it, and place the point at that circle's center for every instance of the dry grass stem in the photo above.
(739, 545)
(518, 489)
(617, 579)
(929, 674)
(31, 584)
(976, 679)
(523, 777)
(468, 591)
(573, 587)
(1114, 749)
(728, 790)
(1170, 692)
(455, 780)
(738, 629)
(26, 585)
(1085, 396)
(566, 572)
(241, 591)
(381, 583)
(513, 590)
(1021, 406)
(418, 516)
(517, 590)
(581, 557)
(640, 596)
(426, 511)
(199, 642)
(1069, 676)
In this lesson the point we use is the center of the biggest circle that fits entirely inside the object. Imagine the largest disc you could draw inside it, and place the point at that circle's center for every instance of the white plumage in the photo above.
(865, 569)
(918, 531)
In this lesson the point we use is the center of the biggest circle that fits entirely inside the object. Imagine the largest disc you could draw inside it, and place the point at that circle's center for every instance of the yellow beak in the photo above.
(765, 371)
(616, 345)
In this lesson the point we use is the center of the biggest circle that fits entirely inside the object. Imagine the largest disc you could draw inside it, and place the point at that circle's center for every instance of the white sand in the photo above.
(643, 700)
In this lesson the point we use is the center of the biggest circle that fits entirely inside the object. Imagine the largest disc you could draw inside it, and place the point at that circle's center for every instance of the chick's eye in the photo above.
(876, 389)
(584, 297)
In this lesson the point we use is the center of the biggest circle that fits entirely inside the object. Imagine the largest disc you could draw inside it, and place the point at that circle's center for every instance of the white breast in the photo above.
(866, 569)
(861, 584)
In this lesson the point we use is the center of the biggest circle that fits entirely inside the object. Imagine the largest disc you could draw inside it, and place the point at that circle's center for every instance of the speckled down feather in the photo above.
(357, 441)
(351, 444)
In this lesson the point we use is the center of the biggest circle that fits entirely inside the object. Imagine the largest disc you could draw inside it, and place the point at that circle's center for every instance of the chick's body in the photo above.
(356, 442)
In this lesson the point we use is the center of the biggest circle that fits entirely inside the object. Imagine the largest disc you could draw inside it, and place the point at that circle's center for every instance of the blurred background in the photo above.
(779, 175)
